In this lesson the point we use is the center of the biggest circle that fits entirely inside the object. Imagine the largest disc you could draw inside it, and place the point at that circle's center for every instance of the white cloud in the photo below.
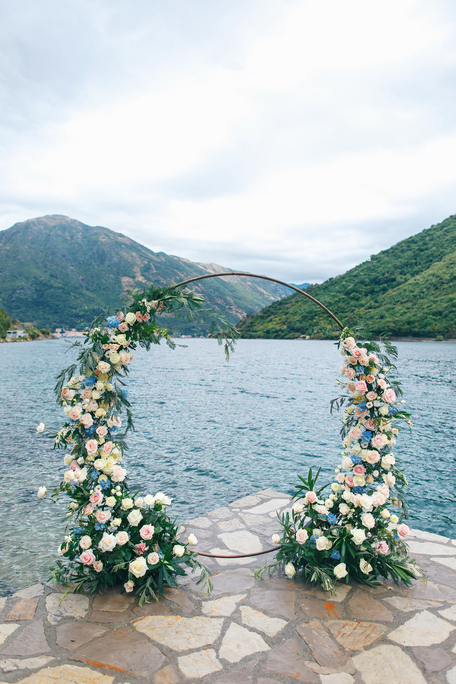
(266, 135)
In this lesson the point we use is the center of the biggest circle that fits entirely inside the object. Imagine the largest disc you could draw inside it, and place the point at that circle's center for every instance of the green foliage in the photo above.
(408, 290)
(6, 322)
(69, 272)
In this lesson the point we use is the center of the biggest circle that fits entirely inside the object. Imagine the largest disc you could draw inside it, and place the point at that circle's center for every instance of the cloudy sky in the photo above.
(292, 138)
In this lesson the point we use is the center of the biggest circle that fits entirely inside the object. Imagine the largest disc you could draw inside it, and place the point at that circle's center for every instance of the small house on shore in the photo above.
(15, 334)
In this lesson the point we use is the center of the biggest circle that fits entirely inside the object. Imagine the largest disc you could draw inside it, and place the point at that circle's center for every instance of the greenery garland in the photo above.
(355, 530)
(115, 536)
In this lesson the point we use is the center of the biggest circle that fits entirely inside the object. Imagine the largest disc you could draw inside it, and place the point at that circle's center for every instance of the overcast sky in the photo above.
(291, 138)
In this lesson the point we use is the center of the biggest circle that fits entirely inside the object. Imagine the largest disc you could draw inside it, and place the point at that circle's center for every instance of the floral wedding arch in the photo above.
(115, 536)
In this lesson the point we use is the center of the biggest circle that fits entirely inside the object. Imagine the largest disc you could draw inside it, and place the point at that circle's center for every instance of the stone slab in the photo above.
(268, 506)
(239, 642)
(123, 650)
(423, 629)
(31, 641)
(67, 674)
(69, 606)
(231, 525)
(242, 674)
(354, 635)
(261, 622)
(167, 675)
(287, 660)
(224, 606)
(231, 582)
(12, 665)
(428, 536)
(199, 664)
(24, 609)
(6, 631)
(202, 523)
(433, 659)
(246, 501)
(387, 664)
(313, 608)
(242, 541)
(339, 595)
(410, 605)
(278, 603)
(430, 549)
(449, 562)
(324, 649)
(112, 601)
(30, 592)
(179, 597)
(230, 561)
(179, 633)
(364, 607)
(449, 613)
(337, 678)
(73, 634)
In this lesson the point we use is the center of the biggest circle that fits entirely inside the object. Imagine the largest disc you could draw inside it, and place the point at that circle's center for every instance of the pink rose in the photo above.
(120, 316)
(349, 343)
(359, 470)
(351, 386)
(141, 547)
(357, 353)
(103, 517)
(98, 566)
(370, 396)
(88, 510)
(101, 431)
(382, 383)
(373, 358)
(118, 474)
(384, 489)
(123, 327)
(302, 536)
(340, 477)
(73, 465)
(86, 394)
(92, 406)
(378, 499)
(370, 424)
(378, 441)
(360, 414)
(373, 457)
(381, 547)
(87, 420)
(147, 531)
(91, 446)
(107, 447)
(349, 481)
(361, 386)
(139, 317)
(146, 317)
(403, 531)
(96, 498)
(68, 393)
(370, 379)
(311, 497)
(389, 396)
(75, 413)
(153, 558)
(87, 557)
(355, 433)
(350, 373)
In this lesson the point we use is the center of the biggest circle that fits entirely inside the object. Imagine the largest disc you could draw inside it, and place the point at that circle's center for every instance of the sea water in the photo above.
(209, 431)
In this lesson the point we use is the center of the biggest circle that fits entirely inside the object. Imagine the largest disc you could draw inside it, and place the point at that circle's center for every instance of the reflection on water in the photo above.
(208, 432)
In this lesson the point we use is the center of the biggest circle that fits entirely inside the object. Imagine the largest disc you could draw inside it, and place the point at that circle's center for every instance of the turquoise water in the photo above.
(209, 432)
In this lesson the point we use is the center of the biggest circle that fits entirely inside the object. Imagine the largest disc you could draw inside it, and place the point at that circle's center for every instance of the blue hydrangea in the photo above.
(359, 490)
(335, 555)
(89, 431)
(112, 322)
(392, 411)
(312, 539)
(160, 554)
(361, 369)
(77, 531)
(99, 526)
(366, 436)
(362, 405)
(90, 382)
(105, 485)
(331, 518)
(356, 459)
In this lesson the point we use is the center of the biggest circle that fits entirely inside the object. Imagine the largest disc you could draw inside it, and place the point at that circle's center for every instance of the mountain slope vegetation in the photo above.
(58, 272)
(408, 290)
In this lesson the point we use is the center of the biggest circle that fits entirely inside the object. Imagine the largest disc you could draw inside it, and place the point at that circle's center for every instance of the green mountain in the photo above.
(58, 272)
(408, 290)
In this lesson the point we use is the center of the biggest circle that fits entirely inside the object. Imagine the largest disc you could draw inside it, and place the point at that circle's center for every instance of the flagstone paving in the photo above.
(248, 631)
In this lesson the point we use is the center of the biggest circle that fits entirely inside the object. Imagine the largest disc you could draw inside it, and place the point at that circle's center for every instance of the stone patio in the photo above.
(248, 631)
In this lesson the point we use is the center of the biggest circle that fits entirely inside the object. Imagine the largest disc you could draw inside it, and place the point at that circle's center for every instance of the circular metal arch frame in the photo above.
(291, 287)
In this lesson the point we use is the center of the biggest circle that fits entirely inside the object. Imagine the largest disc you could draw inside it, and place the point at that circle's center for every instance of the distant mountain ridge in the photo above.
(408, 290)
(59, 272)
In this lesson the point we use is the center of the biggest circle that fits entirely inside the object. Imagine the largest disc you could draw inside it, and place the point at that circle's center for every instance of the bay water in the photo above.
(210, 431)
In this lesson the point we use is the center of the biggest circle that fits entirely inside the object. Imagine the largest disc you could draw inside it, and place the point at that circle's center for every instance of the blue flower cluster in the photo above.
(331, 518)
(90, 382)
(335, 555)
(112, 322)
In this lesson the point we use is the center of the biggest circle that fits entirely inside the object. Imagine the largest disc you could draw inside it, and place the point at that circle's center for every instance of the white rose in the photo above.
(366, 503)
(290, 570)
(107, 542)
(298, 507)
(138, 567)
(68, 458)
(41, 492)
(127, 504)
(340, 570)
(358, 536)
(276, 538)
(85, 542)
(178, 550)
(192, 540)
(159, 497)
(368, 520)
(134, 517)
(149, 500)
(68, 476)
(364, 566)
(344, 509)
(323, 543)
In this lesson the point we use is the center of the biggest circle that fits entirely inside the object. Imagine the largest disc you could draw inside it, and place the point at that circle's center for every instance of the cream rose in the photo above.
(340, 571)
(323, 543)
(85, 542)
(301, 536)
(104, 367)
(122, 538)
(41, 492)
(107, 542)
(147, 532)
(178, 550)
(368, 520)
(134, 517)
(358, 536)
(364, 566)
(138, 567)
(103, 516)
(98, 566)
(129, 586)
(290, 570)
(192, 540)
(127, 503)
